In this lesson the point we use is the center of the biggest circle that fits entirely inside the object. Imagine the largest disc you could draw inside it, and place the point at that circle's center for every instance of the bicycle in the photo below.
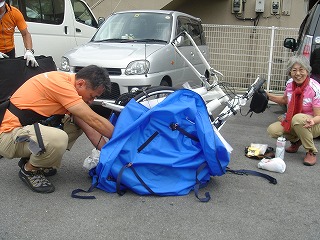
(210, 90)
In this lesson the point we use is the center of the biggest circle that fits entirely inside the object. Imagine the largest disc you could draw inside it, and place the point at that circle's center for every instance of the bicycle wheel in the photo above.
(154, 95)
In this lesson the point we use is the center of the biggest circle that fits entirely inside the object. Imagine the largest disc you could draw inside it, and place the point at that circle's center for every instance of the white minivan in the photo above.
(56, 26)
(135, 47)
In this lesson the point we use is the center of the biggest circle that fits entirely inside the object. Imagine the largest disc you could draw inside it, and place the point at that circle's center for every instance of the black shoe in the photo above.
(46, 171)
(36, 181)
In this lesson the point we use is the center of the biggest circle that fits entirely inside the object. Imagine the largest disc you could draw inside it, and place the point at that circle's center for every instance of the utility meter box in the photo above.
(275, 7)
(259, 6)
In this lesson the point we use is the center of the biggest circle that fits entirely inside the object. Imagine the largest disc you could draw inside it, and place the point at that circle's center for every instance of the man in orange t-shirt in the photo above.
(48, 94)
(11, 17)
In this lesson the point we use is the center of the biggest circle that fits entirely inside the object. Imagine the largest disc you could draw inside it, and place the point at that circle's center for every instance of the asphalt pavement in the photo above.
(241, 207)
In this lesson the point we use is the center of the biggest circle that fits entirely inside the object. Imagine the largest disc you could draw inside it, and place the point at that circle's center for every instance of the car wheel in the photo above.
(164, 83)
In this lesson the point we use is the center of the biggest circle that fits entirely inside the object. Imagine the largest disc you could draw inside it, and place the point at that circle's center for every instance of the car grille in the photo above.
(111, 71)
(114, 94)
(115, 91)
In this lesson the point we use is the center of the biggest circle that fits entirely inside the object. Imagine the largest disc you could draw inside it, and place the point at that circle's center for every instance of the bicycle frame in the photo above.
(212, 93)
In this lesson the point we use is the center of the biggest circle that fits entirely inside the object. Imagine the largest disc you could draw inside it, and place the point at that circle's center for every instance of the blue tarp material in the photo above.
(168, 164)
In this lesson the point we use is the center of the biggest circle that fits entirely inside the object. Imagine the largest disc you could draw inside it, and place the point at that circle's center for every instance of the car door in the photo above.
(194, 29)
(85, 24)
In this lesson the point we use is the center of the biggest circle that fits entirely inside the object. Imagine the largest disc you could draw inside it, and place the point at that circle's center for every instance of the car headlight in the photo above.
(137, 67)
(65, 64)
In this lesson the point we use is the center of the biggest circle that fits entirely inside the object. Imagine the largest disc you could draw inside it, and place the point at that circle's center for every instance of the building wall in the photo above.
(214, 11)
(106, 7)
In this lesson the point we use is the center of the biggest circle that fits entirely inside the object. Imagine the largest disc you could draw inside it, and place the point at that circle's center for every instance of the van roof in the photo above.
(171, 12)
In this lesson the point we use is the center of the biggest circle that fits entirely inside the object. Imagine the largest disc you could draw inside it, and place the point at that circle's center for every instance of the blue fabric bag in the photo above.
(167, 150)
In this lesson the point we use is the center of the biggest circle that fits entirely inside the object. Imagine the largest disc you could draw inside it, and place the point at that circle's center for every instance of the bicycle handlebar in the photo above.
(235, 104)
(255, 86)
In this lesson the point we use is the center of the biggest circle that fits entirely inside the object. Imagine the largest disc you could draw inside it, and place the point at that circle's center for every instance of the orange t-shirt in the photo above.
(11, 19)
(47, 94)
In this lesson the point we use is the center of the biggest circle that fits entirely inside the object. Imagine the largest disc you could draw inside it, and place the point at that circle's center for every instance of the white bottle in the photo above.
(281, 143)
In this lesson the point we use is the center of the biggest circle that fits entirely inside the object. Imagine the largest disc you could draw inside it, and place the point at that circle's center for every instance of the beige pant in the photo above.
(306, 135)
(56, 142)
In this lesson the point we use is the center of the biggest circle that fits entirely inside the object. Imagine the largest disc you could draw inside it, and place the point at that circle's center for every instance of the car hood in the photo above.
(112, 55)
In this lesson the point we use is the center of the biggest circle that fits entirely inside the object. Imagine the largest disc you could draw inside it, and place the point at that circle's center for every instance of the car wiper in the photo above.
(114, 40)
(150, 40)
(130, 40)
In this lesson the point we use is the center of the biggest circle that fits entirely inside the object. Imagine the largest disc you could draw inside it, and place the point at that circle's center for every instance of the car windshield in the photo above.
(134, 26)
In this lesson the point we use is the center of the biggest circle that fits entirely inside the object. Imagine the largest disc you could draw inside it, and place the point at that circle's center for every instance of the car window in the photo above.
(42, 11)
(82, 14)
(194, 28)
(136, 26)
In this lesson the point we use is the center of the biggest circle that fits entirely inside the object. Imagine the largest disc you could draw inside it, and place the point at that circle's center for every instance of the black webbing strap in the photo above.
(75, 192)
(175, 126)
(26, 116)
(254, 173)
(148, 141)
(118, 183)
(3, 107)
(39, 137)
(122, 192)
(201, 185)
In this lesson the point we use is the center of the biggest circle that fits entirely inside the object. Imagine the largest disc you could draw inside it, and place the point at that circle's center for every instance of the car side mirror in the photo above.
(290, 43)
(179, 41)
(100, 21)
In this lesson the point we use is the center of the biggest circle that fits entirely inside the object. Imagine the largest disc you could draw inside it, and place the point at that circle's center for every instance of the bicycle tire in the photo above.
(154, 94)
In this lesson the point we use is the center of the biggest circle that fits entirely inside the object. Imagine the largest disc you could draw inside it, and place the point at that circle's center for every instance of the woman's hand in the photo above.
(315, 120)
(309, 123)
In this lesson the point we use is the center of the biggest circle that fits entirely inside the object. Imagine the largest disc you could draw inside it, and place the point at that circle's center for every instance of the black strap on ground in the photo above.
(39, 137)
(75, 192)
(254, 173)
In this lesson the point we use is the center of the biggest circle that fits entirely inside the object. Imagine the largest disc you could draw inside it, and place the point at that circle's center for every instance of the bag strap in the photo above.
(39, 137)
(201, 185)
(26, 116)
(3, 107)
(75, 192)
(254, 173)
(175, 126)
(119, 177)
(148, 141)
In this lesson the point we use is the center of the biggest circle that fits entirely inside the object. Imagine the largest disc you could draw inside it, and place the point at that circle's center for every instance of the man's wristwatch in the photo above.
(31, 50)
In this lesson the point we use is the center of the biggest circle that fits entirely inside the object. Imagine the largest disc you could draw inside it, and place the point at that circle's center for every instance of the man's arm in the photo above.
(94, 120)
(29, 51)
(95, 137)
(27, 40)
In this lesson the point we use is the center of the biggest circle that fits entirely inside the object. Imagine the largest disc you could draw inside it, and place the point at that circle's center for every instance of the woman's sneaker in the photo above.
(46, 171)
(36, 181)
